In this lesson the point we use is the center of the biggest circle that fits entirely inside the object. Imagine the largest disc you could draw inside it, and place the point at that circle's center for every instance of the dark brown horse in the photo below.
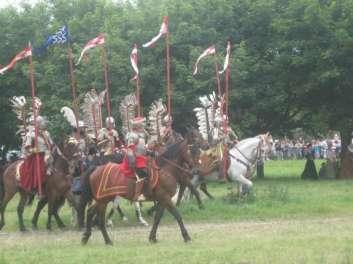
(57, 184)
(171, 168)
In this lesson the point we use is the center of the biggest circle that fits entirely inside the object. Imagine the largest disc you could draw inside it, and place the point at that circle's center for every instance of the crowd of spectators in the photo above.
(286, 149)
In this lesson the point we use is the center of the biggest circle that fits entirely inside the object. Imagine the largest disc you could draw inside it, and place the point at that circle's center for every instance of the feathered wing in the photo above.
(127, 111)
(92, 111)
(206, 114)
(23, 112)
(69, 115)
(157, 112)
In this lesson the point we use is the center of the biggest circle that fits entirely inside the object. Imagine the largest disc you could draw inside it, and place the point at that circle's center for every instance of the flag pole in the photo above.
(35, 115)
(73, 88)
(169, 86)
(227, 77)
(138, 95)
(225, 108)
(217, 76)
(137, 92)
(106, 80)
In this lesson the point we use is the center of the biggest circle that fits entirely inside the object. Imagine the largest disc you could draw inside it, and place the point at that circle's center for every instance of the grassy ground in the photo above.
(286, 220)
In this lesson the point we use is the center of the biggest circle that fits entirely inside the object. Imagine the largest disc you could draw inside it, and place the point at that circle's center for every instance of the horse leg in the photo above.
(7, 197)
(203, 188)
(180, 194)
(157, 218)
(173, 210)
(51, 204)
(90, 213)
(20, 209)
(116, 208)
(141, 220)
(152, 209)
(196, 193)
(81, 212)
(101, 208)
(40, 205)
(56, 208)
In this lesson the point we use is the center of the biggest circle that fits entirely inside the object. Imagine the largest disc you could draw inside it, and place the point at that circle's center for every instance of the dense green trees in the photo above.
(291, 60)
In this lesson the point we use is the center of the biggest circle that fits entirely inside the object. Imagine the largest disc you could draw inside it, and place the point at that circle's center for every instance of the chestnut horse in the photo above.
(170, 170)
(57, 184)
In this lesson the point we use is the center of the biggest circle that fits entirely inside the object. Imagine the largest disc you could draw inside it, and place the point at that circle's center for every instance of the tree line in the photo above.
(291, 63)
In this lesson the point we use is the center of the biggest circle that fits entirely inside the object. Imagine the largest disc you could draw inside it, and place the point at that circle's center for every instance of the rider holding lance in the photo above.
(135, 160)
(29, 168)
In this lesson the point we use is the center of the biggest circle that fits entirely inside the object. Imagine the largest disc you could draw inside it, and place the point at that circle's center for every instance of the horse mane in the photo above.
(171, 153)
(244, 142)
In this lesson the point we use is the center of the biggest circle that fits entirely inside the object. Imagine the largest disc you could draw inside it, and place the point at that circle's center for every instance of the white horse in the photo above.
(243, 157)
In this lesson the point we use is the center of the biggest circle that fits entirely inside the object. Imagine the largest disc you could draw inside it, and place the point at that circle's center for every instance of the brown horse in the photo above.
(171, 167)
(56, 186)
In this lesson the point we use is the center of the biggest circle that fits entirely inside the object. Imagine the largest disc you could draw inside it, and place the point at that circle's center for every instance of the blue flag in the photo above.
(60, 37)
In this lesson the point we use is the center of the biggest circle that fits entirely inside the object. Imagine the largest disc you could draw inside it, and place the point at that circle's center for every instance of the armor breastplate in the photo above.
(141, 147)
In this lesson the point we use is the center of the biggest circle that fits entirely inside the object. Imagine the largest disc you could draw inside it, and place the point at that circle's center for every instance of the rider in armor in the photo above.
(108, 137)
(28, 171)
(136, 159)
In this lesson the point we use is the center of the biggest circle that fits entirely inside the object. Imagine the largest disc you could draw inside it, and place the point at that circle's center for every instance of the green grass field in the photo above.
(285, 220)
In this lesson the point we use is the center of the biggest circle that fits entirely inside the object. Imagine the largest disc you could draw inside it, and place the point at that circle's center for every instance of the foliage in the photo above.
(290, 67)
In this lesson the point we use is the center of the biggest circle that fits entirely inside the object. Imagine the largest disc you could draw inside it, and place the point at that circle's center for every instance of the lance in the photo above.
(169, 85)
(73, 89)
(137, 82)
(35, 115)
(106, 81)
(225, 109)
(217, 76)
(227, 78)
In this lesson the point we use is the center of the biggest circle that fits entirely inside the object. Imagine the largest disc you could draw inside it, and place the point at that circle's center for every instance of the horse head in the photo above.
(266, 143)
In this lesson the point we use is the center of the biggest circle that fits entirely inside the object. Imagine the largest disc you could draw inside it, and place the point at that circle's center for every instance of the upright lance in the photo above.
(35, 115)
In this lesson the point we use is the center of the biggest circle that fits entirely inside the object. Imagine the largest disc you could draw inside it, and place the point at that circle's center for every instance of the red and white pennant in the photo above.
(162, 31)
(21, 55)
(91, 44)
(209, 51)
(134, 60)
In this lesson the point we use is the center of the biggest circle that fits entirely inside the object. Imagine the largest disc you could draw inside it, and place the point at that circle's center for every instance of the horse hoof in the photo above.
(62, 227)
(187, 239)
(153, 240)
(23, 229)
(109, 243)
(125, 219)
(84, 240)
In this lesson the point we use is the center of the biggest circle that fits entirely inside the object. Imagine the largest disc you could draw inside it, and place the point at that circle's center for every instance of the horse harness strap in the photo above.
(249, 164)
(248, 167)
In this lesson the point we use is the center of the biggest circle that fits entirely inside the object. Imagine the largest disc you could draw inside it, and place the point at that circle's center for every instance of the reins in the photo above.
(176, 165)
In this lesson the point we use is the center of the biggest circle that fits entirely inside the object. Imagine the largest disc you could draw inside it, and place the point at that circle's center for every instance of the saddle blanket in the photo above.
(112, 181)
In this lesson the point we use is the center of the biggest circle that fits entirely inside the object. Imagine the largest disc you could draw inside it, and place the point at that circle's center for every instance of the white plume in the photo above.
(69, 115)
